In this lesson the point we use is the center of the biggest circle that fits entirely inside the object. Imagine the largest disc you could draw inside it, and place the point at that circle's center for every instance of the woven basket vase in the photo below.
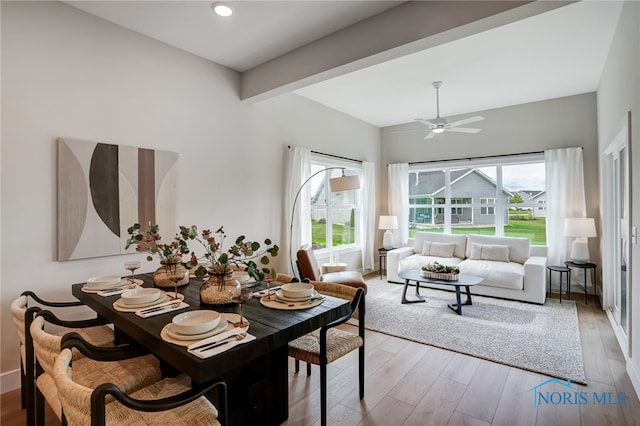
(439, 275)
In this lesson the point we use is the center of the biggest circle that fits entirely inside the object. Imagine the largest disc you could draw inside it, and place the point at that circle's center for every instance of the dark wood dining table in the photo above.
(256, 372)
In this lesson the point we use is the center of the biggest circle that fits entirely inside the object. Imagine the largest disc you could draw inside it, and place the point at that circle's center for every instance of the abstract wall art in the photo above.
(104, 188)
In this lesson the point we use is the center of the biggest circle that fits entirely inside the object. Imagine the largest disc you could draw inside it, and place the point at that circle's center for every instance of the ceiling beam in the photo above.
(408, 28)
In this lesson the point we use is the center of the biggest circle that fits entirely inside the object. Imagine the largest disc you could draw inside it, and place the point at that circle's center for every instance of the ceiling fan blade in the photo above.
(429, 136)
(425, 122)
(466, 121)
(462, 130)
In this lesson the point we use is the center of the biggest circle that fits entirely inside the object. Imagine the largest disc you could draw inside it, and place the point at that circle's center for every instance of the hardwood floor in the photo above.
(408, 383)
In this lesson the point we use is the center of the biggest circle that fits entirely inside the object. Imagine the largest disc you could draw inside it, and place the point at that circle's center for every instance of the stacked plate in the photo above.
(196, 325)
(141, 297)
(103, 282)
(296, 292)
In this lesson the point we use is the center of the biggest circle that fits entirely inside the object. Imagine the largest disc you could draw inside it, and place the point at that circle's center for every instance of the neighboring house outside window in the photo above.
(479, 200)
(334, 215)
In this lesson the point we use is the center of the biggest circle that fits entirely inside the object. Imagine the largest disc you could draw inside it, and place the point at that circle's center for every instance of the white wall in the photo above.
(68, 74)
(618, 93)
(556, 123)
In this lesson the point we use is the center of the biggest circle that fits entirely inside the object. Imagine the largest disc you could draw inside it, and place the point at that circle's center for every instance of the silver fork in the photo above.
(160, 308)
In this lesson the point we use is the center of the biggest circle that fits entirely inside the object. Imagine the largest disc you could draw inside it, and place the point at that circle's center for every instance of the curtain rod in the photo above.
(332, 155)
(478, 158)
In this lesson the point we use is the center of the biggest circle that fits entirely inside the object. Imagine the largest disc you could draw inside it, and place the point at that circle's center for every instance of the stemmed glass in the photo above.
(132, 266)
(267, 279)
(174, 276)
(242, 297)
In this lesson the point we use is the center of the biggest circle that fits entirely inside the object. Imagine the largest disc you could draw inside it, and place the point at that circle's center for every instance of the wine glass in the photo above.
(242, 297)
(174, 275)
(132, 266)
(267, 279)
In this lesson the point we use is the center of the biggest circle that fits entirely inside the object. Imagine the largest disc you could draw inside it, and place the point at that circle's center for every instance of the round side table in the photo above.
(561, 270)
(585, 267)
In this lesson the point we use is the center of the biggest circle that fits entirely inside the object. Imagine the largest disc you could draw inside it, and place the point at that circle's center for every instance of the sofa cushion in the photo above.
(519, 248)
(442, 249)
(415, 261)
(460, 242)
(495, 274)
(496, 252)
(426, 248)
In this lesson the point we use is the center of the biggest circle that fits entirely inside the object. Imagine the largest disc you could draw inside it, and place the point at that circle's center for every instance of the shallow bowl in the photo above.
(297, 290)
(103, 281)
(140, 295)
(195, 322)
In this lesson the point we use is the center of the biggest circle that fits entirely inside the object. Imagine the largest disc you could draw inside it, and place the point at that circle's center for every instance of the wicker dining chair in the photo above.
(130, 374)
(97, 334)
(165, 402)
(327, 344)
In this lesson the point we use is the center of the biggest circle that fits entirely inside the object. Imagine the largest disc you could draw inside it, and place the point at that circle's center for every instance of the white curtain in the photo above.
(299, 221)
(565, 198)
(399, 201)
(367, 225)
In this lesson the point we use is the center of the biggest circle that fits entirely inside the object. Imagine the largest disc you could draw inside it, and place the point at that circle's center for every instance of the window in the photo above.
(487, 210)
(496, 196)
(334, 215)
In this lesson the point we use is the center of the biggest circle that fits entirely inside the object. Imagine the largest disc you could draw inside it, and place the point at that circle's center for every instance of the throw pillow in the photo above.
(442, 249)
(426, 248)
(496, 252)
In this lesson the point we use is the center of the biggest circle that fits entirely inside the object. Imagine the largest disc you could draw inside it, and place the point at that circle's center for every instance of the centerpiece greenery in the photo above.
(243, 254)
(440, 268)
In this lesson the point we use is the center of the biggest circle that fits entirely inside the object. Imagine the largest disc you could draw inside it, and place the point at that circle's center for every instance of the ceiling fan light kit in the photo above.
(439, 125)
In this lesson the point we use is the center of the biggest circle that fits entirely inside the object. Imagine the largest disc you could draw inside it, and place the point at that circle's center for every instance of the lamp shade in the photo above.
(580, 227)
(344, 183)
(388, 222)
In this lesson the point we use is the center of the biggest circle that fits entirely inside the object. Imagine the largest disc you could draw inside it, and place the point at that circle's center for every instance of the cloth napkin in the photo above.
(263, 293)
(204, 353)
(165, 308)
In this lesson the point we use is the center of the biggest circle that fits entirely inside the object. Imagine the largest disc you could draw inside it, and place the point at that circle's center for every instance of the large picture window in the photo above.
(334, 215)
(505, 198)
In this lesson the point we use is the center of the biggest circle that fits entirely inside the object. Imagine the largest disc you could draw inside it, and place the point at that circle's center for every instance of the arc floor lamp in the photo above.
(339, 184)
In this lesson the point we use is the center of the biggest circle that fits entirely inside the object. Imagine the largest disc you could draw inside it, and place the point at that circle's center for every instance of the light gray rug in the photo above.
(544, 339)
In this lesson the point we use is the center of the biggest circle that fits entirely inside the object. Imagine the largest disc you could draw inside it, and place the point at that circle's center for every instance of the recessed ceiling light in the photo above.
(222, 9)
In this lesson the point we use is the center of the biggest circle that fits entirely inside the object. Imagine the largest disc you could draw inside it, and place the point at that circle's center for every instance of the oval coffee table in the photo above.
(463, 280)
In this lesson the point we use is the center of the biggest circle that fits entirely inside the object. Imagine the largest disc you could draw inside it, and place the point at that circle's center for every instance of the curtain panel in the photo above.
(565, 198)
(399, 201)
(298, 231)
(367, 214)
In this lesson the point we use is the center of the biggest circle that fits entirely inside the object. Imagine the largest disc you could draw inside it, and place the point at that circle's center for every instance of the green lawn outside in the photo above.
(341, 234)
(519, 226)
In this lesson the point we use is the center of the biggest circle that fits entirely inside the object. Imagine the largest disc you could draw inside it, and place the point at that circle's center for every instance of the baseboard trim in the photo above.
(10, 381)
(634, 376)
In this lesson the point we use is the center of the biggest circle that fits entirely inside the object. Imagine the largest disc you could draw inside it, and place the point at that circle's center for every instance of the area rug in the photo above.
(539, 338)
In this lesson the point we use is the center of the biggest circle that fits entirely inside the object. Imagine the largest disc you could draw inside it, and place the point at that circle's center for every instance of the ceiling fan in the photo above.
(439, 125)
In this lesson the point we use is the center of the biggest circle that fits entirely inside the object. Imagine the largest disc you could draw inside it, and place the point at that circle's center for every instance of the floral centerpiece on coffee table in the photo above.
(439, 271)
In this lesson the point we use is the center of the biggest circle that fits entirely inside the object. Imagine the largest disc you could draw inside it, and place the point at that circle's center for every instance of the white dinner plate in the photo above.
(280, 296)
(222, 325)
(93, 289)
(162, 297)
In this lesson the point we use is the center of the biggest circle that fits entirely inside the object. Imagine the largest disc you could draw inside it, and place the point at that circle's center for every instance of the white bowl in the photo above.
(195, 322)
(297, 290)
(140, 295)
(103, 281)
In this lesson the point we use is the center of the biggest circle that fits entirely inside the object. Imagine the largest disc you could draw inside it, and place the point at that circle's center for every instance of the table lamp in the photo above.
(388, 223)
(581, 228)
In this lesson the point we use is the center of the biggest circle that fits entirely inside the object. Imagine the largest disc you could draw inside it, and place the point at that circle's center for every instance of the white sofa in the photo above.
(511, 267)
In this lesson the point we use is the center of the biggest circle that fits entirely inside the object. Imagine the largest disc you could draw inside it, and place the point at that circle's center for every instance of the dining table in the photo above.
(256, 372)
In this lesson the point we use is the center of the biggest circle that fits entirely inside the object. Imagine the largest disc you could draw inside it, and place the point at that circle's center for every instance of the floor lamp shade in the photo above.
(344, 183)
(581, 228)
(388, 223)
